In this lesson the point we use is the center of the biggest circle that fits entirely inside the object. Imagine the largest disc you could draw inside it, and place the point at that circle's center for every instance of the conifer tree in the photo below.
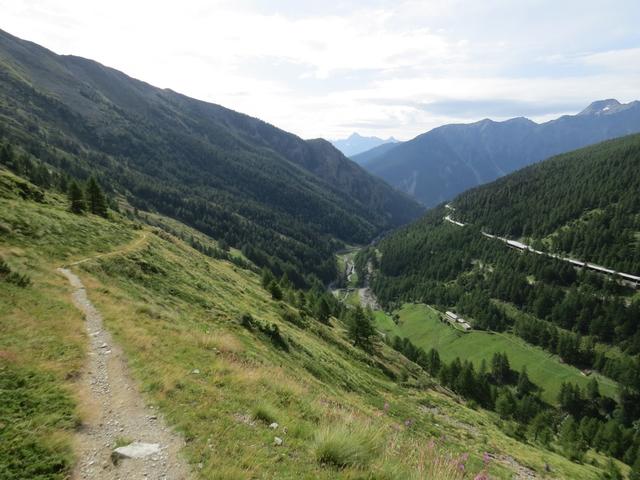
(275, 290)
(7, 155)
(267, 277)
(572, 445)
(323, 311)
(76, 198)
(525, 386)
(361, 329)
(505, 404)
(540, 427)
(593, 389)
(96, 199)
(500, 368)
(433, 362)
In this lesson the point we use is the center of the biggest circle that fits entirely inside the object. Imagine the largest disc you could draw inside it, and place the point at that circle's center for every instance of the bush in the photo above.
(293, 317)
(273, 332)
(247, 321)
(275, 290)
(16, 278)
(344, 446)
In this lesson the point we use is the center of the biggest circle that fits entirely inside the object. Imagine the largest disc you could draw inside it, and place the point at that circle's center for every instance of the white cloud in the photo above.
(327, 69)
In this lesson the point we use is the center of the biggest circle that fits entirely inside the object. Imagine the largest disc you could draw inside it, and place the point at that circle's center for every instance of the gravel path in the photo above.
(114, 411)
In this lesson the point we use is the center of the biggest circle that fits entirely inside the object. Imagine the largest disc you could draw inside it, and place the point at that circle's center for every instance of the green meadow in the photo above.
(422, 325)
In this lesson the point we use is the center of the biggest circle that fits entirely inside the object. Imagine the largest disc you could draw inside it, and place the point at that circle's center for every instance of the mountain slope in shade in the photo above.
(376, 152)
(230, 175)
(356, 144)
(445, 161)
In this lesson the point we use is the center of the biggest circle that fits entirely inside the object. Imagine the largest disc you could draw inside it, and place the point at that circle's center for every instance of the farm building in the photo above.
(453, 319)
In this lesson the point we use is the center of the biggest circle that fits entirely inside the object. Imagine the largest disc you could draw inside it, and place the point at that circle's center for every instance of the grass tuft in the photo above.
(264, 412)
(123, 442)
(343, 446)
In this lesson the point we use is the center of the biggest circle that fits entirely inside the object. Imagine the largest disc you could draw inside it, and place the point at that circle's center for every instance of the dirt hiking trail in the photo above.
(116, 413)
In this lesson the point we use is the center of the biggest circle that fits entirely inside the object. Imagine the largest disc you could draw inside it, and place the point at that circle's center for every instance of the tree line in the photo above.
(583, 418)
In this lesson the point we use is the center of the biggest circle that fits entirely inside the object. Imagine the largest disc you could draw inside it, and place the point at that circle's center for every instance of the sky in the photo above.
(378, 67)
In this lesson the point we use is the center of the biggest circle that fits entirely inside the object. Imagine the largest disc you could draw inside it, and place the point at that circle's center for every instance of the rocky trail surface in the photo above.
(116, 414)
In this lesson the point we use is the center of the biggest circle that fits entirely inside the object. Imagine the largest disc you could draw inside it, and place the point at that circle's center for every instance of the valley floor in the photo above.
(422, 324)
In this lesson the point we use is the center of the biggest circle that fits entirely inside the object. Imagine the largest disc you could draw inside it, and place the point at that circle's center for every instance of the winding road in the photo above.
(627, 278)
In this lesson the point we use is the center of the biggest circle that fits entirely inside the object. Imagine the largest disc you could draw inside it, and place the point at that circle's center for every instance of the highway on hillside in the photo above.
(629, 279)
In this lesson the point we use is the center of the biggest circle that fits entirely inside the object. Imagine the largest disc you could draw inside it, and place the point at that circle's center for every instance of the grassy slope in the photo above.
(42, 339)
(174, 310)
(420, 323)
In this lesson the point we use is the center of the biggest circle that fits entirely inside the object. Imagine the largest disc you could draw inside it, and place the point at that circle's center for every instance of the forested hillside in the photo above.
(285, 201)
(585, 204)
(439, 164)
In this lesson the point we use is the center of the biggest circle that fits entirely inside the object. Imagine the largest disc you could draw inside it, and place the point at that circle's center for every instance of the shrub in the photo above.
(293, 317)
(273, 332)
(247, 321)
(18, 279)
(10, 276)
(342, 446)
(275, 290)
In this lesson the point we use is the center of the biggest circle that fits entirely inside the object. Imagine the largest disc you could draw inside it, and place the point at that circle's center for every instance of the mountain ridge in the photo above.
(356, 144)
(440, 163)
(224, 172)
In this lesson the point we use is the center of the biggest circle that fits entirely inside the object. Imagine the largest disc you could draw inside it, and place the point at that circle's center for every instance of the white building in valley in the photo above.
(452, 318)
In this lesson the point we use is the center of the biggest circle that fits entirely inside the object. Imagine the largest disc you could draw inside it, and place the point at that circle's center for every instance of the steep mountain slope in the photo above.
(445, 161)
(229, 175)
(221, 360)
(356, 144)
(584, 203)
(537, 307)
(376, 152)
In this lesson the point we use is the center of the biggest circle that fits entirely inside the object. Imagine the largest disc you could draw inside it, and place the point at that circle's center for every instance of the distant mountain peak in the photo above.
(601, 107)
(356, 143)
(357, 136)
